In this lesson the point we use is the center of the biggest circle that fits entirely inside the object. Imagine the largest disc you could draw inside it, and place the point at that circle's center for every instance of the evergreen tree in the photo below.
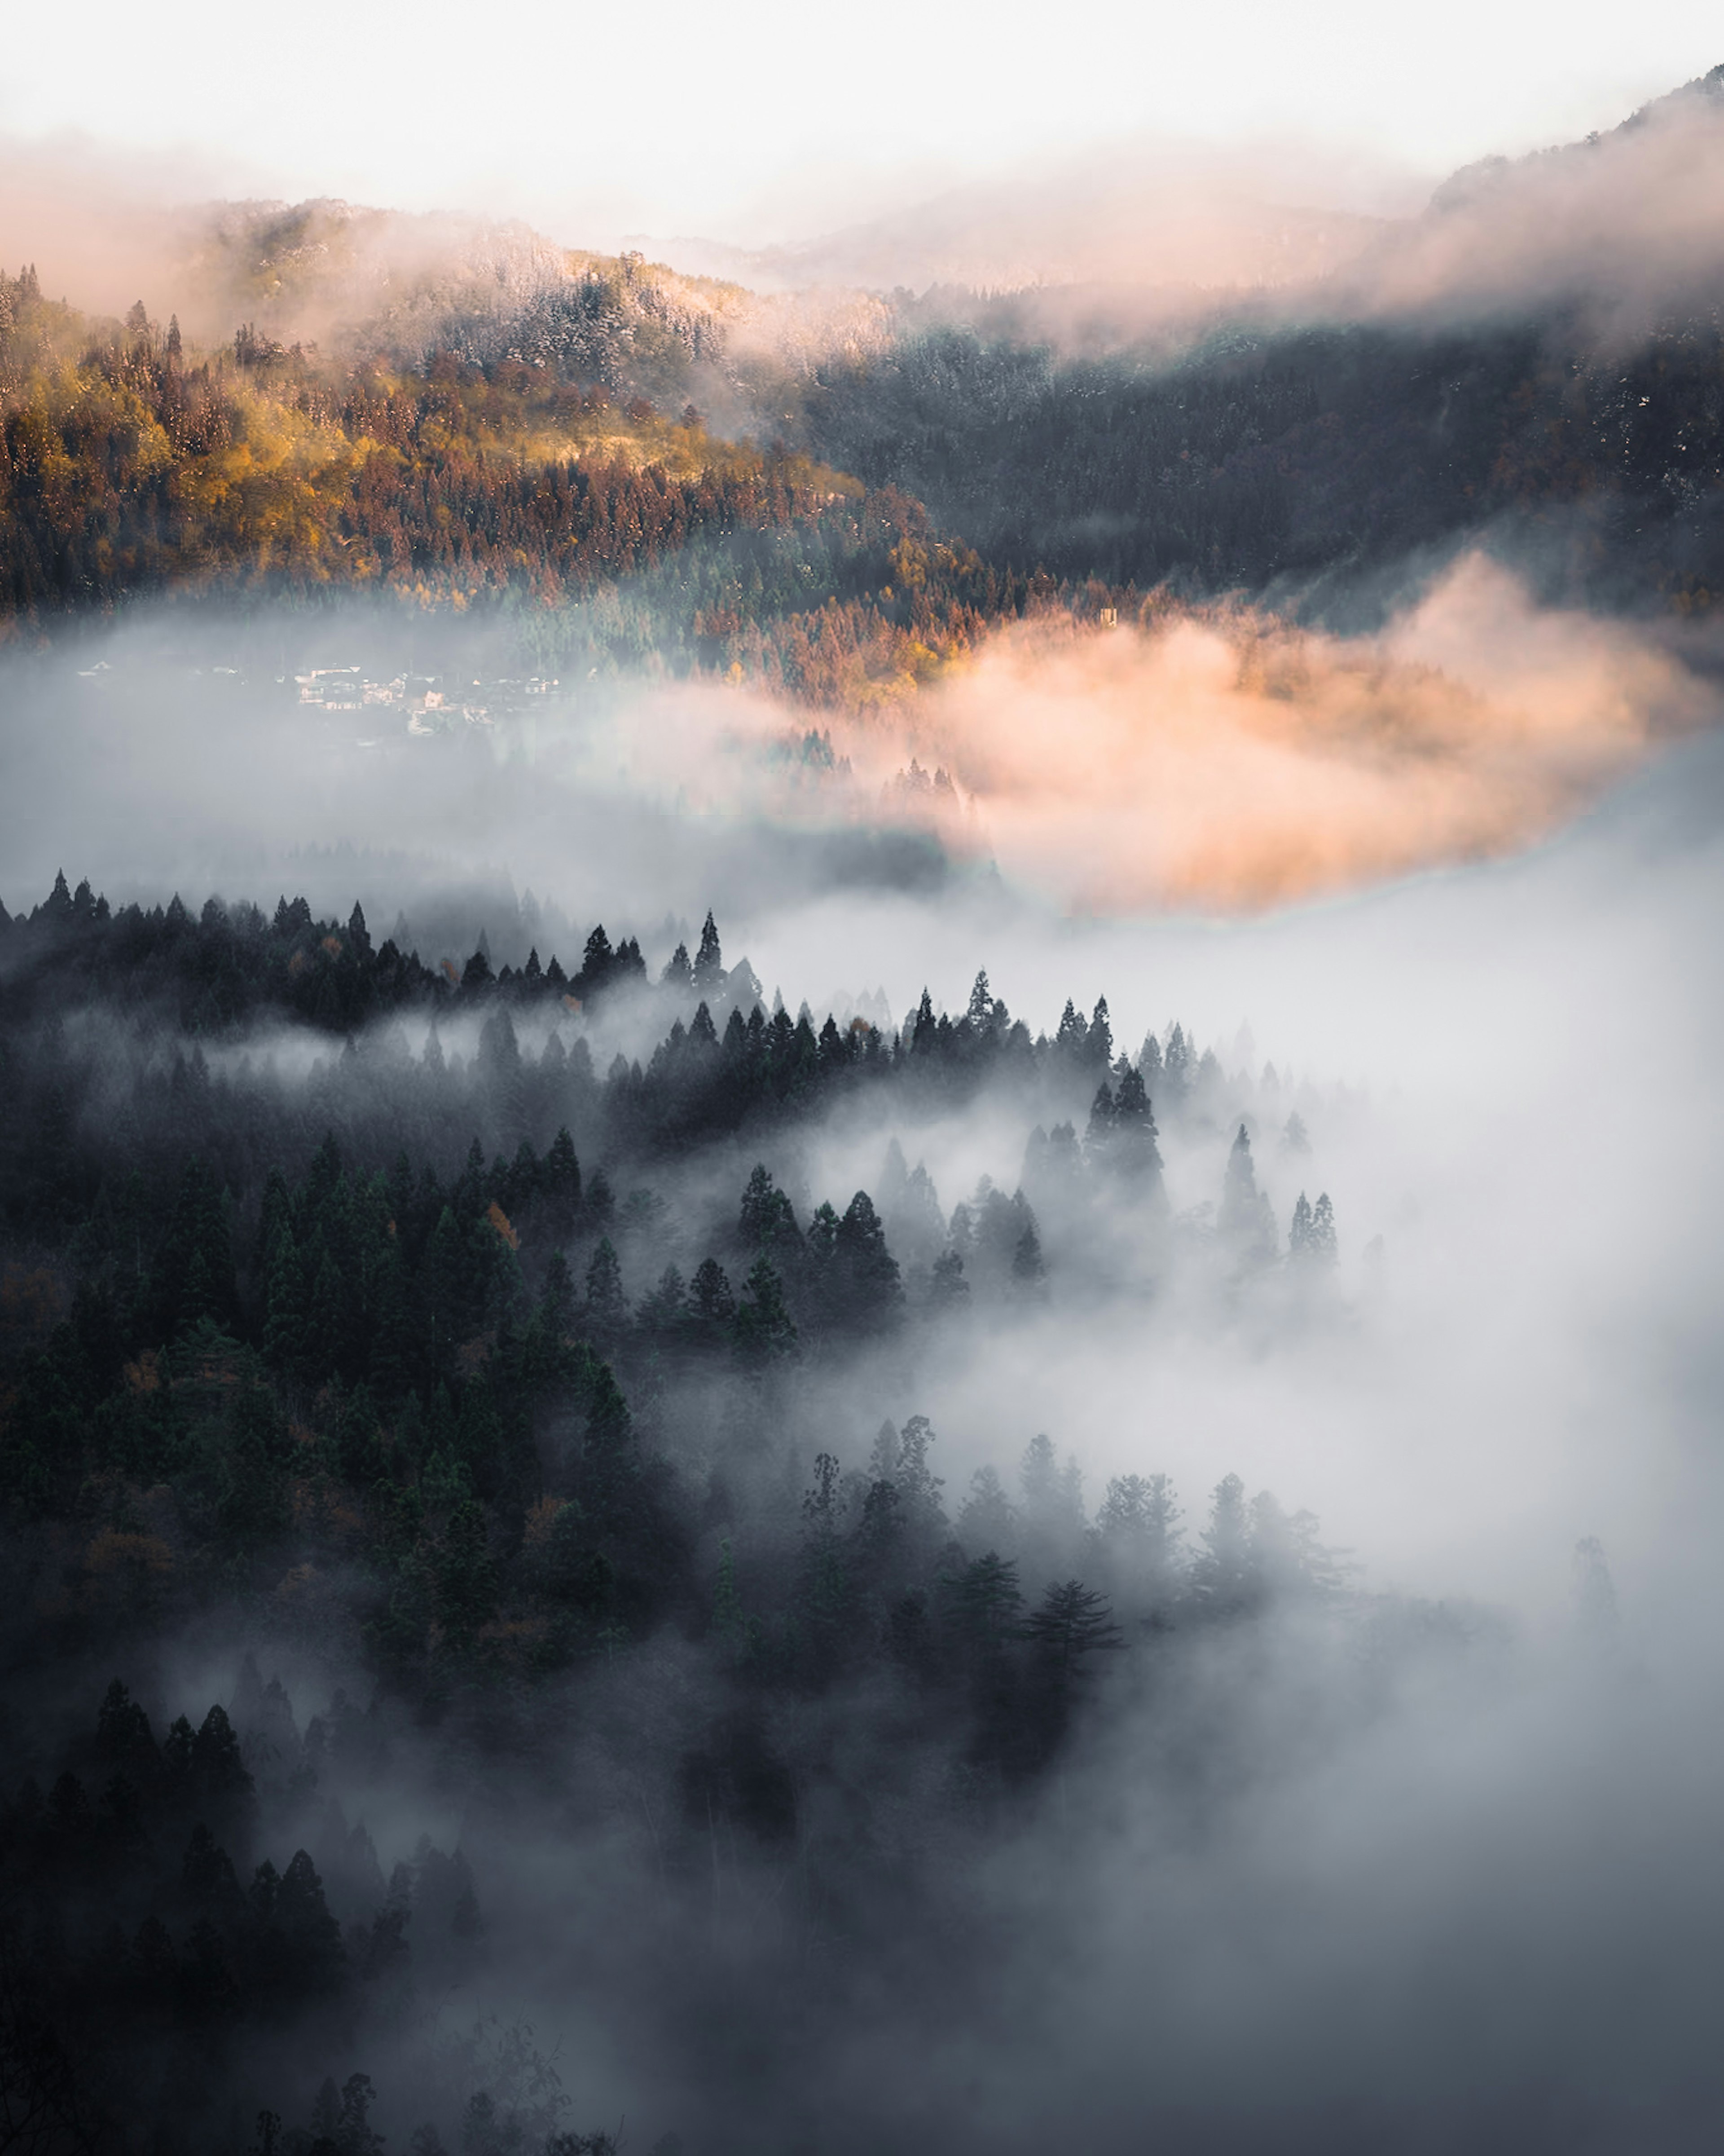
(1225, 1577)
(606, 1308)
(988, 1519)
(711, 1305)
(985, 1600)
(1071, 1621)
(1098, 1137)
(1244, 1220)
(949, 1291)
(767, 1221)
(708, 961)
(1098, 1041)
(867, 1292)
(763, 1331)
(1138, 1529)
(1134, 1158)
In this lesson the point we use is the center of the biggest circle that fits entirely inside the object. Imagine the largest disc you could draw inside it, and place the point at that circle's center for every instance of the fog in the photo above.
(1227, 761)
(1431, 1862)
(1630, 222)
(845, 111)
(1167, 216)
(1208, 760)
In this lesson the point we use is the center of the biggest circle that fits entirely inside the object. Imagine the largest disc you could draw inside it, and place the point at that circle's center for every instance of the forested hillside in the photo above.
(483, 1376)
(134, 468)
(493, 427)
(1292, 456)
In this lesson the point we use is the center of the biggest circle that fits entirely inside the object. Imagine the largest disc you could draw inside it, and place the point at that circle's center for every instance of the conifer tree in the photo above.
(709, 960)
(606, 1308)
(763, 1329)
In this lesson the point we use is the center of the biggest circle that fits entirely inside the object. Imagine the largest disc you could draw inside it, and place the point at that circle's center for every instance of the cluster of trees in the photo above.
(158, 1963)
(722, 1072)
(591, 529)
(857, 607)
(130, 463)
(1267, 452)
(499, 455)
(501, 298)
(477, 1416)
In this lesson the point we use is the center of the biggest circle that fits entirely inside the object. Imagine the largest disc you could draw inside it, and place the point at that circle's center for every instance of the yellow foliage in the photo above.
(910, 564)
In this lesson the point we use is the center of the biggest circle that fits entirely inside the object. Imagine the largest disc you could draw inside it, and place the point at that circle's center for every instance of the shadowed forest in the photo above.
(481, 1376)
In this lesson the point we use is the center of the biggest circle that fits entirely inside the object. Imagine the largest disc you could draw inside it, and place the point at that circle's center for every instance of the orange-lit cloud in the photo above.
(1223, 760)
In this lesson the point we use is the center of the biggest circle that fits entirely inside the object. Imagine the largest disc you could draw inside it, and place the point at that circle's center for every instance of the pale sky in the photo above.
(763, 120)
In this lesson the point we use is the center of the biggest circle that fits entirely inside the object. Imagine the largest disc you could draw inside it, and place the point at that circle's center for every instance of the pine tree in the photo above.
(1225, 1577)
(1243, 1220)
(1175, 1068)
(764, 1330)
(1098, 1041)
(1071, 1621)
(867, 1292)
(1321, 1245)
(1039, 1478)
(985, 1600)
(1134, 1159)
(988, 1519)
(606, 1308)
(918, 1486)
(711, 1305)
(1098, 1137)
(1138, 1527)
(949, 1291)
(708, 961)
(768, 1220)
(1029, 1272)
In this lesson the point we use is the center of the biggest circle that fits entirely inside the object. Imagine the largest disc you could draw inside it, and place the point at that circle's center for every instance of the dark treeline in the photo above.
(473, 1379)
(1329, 451)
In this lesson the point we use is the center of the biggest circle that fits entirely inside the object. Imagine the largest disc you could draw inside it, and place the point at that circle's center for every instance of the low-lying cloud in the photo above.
(1224, 759)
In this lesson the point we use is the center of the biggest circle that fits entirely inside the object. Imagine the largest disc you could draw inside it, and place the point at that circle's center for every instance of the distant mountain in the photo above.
(461, 413)
(1628, 223)
(1535, 359)
(1155, 221)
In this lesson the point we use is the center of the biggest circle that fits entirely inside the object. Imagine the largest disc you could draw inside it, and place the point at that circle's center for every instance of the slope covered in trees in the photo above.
(583, 527)
(479, 1377)
(1296, 455)
(511, 430)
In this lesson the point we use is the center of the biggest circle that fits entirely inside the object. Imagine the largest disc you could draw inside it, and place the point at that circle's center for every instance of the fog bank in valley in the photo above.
(1422, 1859)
